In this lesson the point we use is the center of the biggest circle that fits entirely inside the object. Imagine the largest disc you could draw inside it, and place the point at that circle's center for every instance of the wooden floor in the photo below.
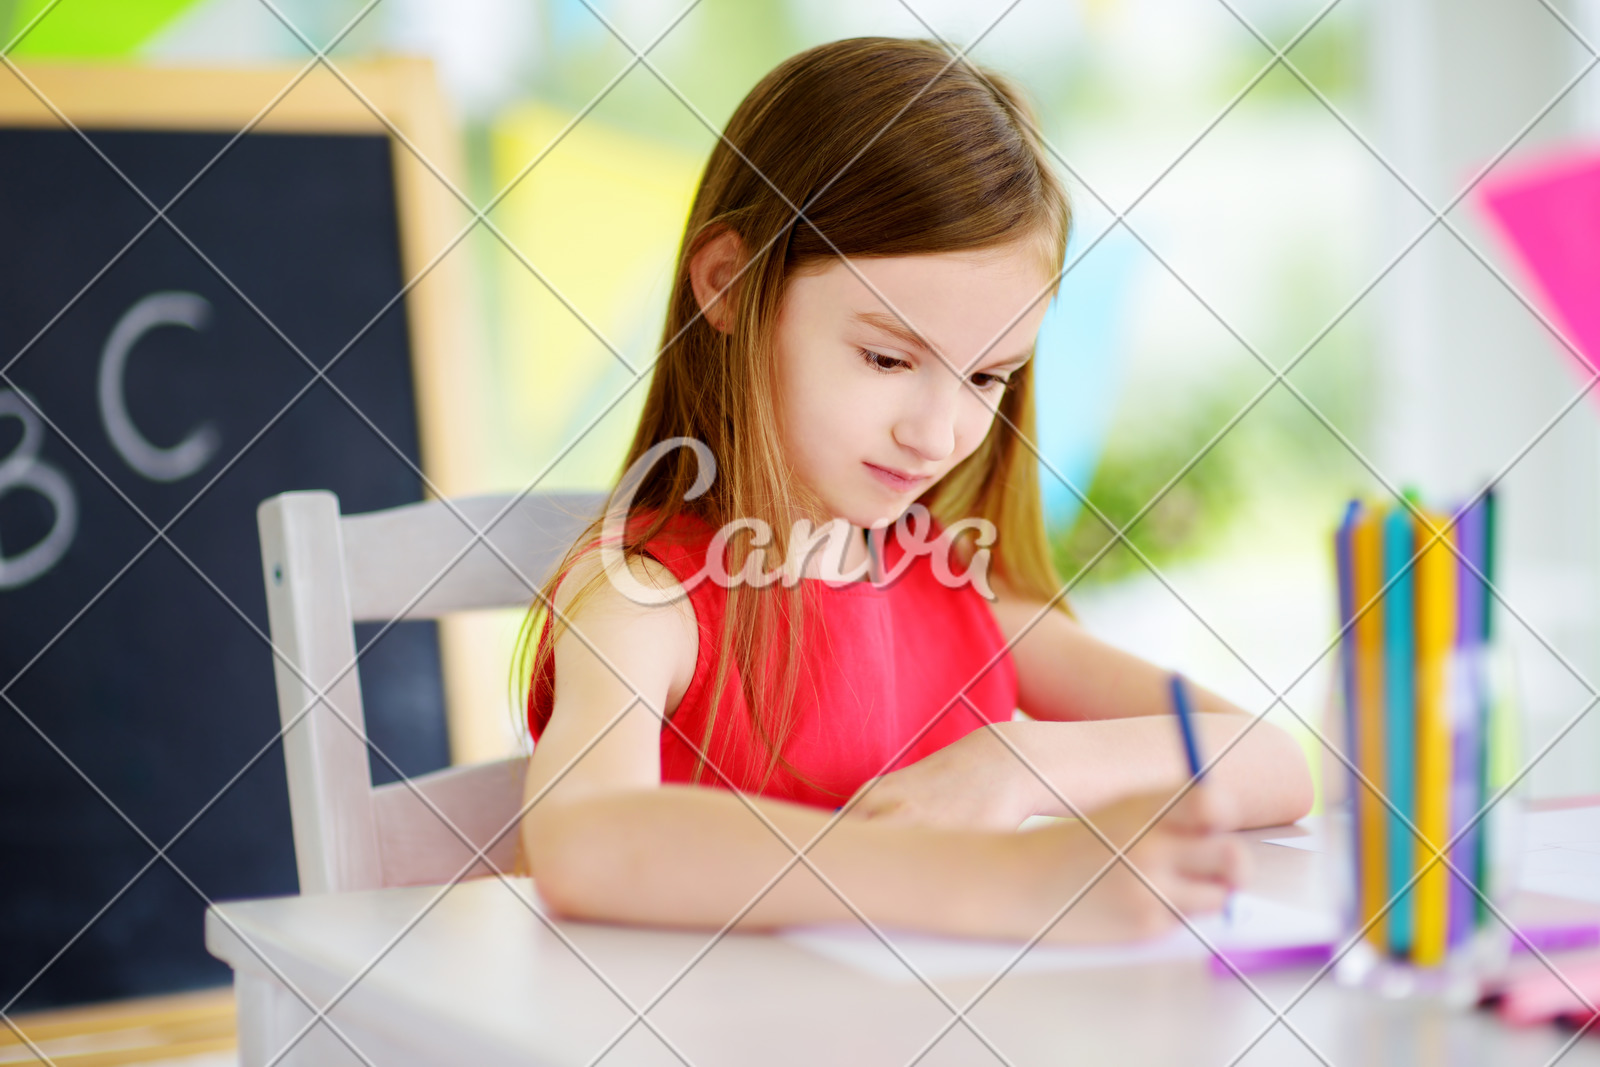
(183, 1029)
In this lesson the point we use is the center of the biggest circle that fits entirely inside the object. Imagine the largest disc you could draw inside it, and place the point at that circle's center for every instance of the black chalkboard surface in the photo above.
(149, 382)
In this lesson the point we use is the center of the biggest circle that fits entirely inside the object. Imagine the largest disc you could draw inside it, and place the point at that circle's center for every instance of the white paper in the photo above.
(1310, 843)
(1566, 826)
(1254, 922)
(1561, 872)
(1315, 838)
(1562, 858)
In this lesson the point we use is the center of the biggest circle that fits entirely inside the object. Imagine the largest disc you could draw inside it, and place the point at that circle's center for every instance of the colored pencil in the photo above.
(1436, 633)
(1429, 719)
(1183, 711)
(1366, 550)
(1489, 724)
(1468, 702)
(1343, 557)
(1399, 633)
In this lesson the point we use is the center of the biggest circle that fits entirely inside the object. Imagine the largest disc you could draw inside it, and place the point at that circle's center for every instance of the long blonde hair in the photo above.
(890, 147)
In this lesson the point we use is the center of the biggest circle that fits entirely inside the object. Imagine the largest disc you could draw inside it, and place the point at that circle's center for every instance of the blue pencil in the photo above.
(1185, 716)
(1183, 711)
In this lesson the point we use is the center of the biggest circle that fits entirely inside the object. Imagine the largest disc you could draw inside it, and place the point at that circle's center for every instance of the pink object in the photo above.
(1541, 997)
(1550, 214)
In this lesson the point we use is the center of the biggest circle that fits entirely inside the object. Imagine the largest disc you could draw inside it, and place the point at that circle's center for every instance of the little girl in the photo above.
(779, 681)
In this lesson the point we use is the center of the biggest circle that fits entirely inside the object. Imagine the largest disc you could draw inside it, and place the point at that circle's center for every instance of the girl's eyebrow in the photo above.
(893, 327)
(898, 330)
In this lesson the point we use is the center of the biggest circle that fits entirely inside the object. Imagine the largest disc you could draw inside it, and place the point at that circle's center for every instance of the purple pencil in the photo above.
(1466, 700)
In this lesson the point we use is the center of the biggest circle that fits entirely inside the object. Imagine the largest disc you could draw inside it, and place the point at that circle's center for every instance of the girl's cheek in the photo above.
(881, 395)
(976, 420)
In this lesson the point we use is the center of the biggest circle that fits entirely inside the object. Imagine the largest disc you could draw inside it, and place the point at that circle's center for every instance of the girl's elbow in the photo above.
(1295, 793)
(1282, 786)
(1299, 794)
(567, 863)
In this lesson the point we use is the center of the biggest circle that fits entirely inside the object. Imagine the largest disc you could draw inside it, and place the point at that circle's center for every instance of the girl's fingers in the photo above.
(1199, 898)
(1198, 884)
(1202, 810)
(1220, 859)
(1194, 874)
(1159, 903)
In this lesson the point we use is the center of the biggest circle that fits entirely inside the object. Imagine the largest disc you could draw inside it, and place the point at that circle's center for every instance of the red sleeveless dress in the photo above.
(889, 674)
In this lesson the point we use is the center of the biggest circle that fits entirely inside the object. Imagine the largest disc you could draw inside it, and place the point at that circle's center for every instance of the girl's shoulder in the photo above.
(647, 577)
(665, 558)
(592, 578)
(603, 581)
(628, 614)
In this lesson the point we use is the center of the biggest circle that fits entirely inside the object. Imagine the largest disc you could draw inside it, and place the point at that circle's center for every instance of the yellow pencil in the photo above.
(1436, 634)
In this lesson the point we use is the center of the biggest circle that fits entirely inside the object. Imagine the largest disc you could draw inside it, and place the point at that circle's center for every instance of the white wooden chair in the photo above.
(325, 572)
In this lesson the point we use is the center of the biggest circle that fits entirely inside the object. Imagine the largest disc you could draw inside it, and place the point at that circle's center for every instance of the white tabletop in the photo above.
(481, 978)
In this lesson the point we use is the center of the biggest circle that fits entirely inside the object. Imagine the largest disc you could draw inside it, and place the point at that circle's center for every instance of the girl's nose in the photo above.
(929, 427)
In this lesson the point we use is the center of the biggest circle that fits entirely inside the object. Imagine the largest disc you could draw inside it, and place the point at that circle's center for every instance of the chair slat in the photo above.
(325, 571)
(398, 563)
(324, 747)
(419, 849)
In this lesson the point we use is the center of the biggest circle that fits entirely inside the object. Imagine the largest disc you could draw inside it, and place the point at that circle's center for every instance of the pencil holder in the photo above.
(1426, 838)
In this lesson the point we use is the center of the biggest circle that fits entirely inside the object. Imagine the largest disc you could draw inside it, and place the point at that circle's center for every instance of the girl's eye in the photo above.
(984, 382)
(880, 361)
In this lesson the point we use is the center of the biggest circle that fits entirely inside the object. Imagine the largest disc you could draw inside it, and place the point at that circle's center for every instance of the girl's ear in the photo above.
(713, 269)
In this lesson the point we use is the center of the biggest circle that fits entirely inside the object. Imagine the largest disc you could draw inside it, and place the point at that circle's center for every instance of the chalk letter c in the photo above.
(158, 464)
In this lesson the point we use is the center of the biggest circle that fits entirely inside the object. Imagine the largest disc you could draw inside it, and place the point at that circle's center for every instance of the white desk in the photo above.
(480, 980)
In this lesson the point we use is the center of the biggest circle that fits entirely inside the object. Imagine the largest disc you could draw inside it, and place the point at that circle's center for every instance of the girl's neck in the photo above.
(844, 555)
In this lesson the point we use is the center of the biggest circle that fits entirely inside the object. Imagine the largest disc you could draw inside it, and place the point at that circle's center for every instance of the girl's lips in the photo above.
(894, 479)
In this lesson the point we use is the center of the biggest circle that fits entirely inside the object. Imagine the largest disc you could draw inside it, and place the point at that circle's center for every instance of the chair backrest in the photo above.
(325, 572)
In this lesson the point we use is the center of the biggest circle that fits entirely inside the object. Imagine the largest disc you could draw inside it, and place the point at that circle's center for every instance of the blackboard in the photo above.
(169, 393)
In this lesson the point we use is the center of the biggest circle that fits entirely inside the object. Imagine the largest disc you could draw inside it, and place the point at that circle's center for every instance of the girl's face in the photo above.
(871, 414)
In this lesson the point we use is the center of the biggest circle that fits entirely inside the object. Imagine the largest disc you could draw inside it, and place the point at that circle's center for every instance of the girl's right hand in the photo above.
(1183, 858)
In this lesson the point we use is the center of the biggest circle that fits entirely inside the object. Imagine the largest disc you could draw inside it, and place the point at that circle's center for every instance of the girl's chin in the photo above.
(850, 516)
(869, 510)
(866, 519)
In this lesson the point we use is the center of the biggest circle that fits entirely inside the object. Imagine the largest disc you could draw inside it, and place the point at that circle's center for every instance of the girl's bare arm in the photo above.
(605, 839)
(1122, 739)
(1102, 730)
(1067, 674)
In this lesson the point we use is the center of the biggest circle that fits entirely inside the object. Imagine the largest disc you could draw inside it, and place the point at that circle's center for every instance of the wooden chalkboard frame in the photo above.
(446, 360)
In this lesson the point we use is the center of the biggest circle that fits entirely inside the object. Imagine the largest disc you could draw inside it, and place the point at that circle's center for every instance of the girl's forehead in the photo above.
(958, 303)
